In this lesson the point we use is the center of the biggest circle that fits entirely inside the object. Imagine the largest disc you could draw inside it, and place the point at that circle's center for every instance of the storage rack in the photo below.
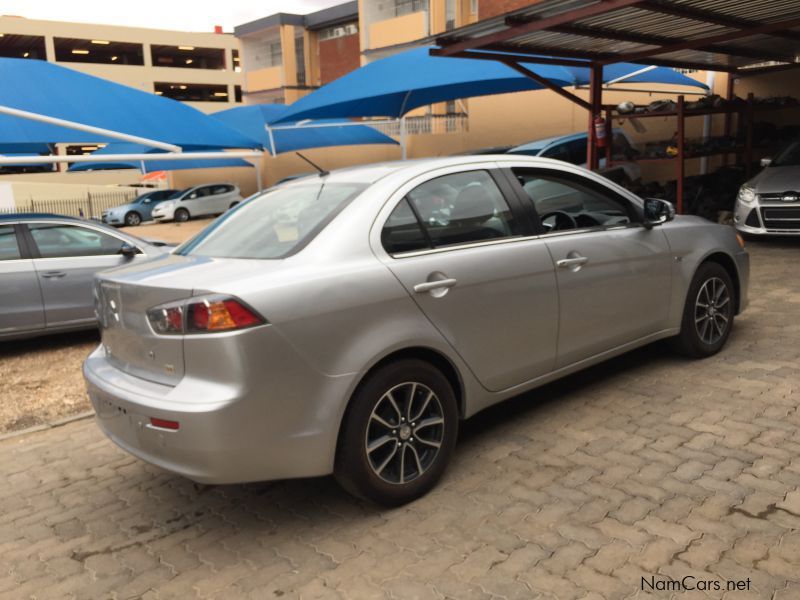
(745, 110)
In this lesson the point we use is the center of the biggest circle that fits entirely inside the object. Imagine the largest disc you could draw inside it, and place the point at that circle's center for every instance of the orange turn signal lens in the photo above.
(740, 239)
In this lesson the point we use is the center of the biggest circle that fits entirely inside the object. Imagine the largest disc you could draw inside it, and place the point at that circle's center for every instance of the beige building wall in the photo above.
(140, 77)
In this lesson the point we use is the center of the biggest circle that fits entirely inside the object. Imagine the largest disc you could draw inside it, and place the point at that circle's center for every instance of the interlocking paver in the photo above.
(649, 465)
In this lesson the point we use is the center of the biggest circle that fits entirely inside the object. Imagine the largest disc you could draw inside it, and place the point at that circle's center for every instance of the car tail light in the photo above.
(207, 314)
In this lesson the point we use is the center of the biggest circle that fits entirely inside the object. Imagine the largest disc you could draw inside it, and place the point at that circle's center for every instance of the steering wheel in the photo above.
(559, 220)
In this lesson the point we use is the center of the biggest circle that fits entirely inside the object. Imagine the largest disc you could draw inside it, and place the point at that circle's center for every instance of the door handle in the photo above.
(429, 286)
(576, 261)
(53, 274)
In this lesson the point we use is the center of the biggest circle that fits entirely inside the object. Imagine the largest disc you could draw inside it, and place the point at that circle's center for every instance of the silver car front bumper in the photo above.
(227, 434)
(767, 219)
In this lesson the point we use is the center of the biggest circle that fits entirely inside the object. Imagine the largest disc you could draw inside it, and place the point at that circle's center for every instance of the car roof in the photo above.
(35, 217)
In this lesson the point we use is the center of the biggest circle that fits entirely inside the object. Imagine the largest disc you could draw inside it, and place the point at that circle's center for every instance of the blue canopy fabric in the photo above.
(153, 165)
(393, 86)
(251, 121)
(45, 88)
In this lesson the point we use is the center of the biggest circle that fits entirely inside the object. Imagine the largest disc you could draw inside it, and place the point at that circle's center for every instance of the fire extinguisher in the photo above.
(600, 132)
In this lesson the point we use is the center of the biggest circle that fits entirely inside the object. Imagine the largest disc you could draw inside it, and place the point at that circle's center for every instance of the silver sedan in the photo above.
(344, 323)
(47, 268)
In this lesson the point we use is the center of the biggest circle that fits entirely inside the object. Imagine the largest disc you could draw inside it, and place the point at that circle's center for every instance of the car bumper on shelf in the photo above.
(227, 433)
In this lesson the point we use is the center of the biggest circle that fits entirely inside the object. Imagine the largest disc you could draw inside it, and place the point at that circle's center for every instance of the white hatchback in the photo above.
(198, 201)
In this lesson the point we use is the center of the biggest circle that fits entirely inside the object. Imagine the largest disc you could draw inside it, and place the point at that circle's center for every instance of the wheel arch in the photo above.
(727, 263)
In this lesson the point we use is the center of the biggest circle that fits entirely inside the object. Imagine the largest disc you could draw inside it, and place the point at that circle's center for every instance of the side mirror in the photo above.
(766, 161)
(128, 251)
(657, 212)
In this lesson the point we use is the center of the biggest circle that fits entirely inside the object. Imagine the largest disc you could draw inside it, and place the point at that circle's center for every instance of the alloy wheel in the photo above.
(712, 310)
(404, 433)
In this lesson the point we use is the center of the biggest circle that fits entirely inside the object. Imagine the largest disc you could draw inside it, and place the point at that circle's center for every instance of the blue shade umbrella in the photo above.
(154, 165)
(40, 87)
(392, 86)
(253, 121)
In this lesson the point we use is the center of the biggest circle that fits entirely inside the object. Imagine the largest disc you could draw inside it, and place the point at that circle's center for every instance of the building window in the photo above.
(405, 7)
(337, 31)
(22, 46)
(237, 93)
(192, 92)
(188, 57)
(98, 51)
(300, 58)
(237, 65)
(473, 7)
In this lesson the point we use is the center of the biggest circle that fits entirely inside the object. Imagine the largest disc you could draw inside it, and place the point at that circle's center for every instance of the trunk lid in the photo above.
(124, 295)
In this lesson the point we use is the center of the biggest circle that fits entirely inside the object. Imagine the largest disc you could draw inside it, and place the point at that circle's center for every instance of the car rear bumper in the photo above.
(226, 434)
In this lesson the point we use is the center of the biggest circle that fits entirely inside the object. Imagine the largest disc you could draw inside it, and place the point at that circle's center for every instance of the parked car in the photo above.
(198, 201)
(138, 210)
(345, 323)
(572, 149)
(769, 204)
(47, 267)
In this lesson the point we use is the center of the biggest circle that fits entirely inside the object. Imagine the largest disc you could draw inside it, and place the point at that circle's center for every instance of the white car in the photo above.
(198, 201)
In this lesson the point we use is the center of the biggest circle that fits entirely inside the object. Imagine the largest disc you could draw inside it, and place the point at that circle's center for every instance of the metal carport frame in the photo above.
(602, 32)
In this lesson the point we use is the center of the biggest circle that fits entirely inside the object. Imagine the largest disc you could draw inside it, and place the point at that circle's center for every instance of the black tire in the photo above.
(707, 322)
(356, 469)
(133, 218)
(182, 215)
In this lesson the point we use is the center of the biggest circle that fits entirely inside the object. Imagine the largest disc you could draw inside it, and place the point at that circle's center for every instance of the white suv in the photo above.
(197, 201)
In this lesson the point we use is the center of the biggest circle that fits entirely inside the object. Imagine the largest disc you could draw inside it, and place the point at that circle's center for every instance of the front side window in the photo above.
(9, 249)
(62, 241)
(275, 224)
(567, 203)
(463, 208)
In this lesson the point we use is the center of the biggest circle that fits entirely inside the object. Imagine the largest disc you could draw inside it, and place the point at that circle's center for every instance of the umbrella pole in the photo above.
(403, 138)
(258, 174)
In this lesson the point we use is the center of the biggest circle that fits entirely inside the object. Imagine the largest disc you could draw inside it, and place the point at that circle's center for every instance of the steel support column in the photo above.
(595, 110)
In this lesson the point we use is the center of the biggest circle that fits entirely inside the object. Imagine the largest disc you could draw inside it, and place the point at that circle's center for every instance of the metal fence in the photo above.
(91, 205)
(449, 123)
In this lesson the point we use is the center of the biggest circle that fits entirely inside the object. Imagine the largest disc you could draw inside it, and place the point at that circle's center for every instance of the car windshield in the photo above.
(275, 224)
(788, 157)
(178, 194)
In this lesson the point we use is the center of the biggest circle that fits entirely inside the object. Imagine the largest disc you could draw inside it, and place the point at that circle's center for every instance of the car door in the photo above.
(67, 256)
(198, 203)
(463, 250)
(21, 307)
(614, 275)
(222, 197)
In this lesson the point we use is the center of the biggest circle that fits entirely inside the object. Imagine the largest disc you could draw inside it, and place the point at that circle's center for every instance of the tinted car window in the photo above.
(577, 151)
(569, 204)
(558, 152)
(463, 208)
(9, 250)
(402, 232)
(275, 224)
(789, 156)
(221, 189)
(58, 241)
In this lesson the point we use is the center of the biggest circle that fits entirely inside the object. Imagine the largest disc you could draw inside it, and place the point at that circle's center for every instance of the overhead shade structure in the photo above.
(56, 92)
(255, 120)
(393, 86)
(150, 165)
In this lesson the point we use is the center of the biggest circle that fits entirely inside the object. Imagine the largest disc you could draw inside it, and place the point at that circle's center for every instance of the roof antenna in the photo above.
(322, 172)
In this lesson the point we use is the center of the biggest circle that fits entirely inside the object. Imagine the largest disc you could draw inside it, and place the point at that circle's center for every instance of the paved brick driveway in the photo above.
(650, 466)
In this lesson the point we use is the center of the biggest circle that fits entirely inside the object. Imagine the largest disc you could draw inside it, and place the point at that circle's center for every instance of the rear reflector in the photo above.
(164, 424)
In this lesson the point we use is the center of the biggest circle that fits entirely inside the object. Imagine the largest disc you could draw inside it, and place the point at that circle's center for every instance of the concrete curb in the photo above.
(49, 425)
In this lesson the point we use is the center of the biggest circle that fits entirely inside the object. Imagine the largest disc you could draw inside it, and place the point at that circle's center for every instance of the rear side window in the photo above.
(463, 208)
(402, 232)
(62, 241)
(9, 250)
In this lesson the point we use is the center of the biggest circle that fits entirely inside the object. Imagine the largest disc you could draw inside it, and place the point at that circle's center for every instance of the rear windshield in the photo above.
(275, 224)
